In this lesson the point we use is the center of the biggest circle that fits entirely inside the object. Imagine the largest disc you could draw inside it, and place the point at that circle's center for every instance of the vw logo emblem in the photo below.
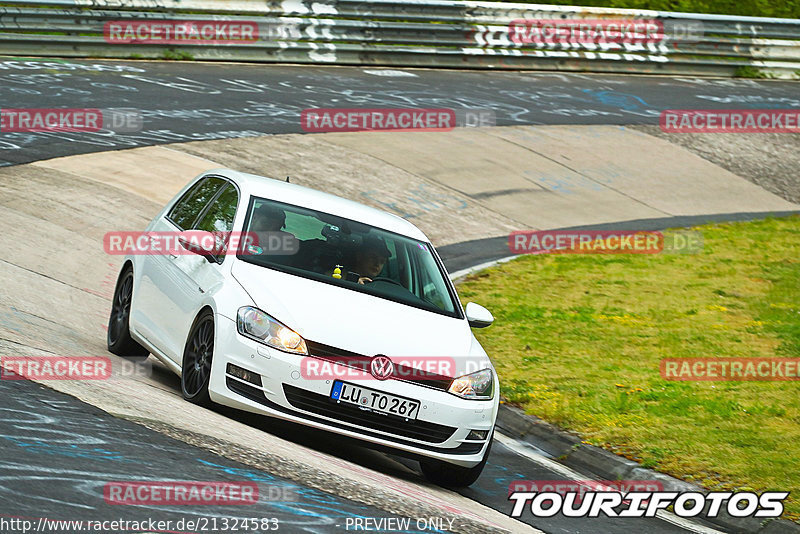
(381, 367)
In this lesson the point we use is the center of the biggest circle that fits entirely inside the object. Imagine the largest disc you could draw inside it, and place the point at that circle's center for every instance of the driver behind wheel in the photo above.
(370, 259)
(365, 264)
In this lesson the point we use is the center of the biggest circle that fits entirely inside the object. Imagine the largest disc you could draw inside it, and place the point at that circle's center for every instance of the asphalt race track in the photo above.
(58, 452)
(182, 102)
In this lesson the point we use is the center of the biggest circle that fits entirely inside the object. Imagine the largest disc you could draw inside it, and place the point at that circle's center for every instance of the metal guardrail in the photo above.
(429, 33)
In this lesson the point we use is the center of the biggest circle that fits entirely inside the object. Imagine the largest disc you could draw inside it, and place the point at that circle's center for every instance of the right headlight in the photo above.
(478, 385)
(254, 323)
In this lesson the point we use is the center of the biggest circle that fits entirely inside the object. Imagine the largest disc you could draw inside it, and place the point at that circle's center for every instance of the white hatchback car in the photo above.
(340, 317)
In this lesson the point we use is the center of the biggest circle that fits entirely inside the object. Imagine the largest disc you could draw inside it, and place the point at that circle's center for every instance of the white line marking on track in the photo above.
(390, 72)
(464, 272)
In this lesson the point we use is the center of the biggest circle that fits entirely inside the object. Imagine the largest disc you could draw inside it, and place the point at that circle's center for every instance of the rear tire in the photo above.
(454, 476)
(197, 357)
(119, 338)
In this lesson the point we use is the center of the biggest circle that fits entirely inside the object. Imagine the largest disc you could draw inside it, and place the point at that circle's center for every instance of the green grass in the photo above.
(750, 72)
(578, 339)
(176, 55)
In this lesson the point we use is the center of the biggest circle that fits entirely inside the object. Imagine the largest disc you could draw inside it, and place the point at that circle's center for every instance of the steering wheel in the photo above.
(385, 279)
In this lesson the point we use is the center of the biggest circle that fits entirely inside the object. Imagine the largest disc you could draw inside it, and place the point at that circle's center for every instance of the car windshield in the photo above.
(335, 250)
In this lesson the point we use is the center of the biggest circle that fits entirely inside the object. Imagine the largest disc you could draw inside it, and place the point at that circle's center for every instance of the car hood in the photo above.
(358, 322)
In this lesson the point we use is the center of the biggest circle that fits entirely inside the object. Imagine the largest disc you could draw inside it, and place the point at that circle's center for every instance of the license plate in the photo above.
(376, 401)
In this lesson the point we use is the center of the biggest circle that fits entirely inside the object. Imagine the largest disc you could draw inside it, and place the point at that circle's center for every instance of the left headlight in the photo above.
(254, 323)
(478, 385)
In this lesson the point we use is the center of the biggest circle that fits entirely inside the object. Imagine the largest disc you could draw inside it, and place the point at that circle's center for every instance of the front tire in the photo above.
(197, 357)
(454, 476)
(119, 338)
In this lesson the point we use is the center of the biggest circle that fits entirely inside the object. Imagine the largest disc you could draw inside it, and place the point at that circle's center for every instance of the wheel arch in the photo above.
(126, 264)
(201, 396)
(204, 308)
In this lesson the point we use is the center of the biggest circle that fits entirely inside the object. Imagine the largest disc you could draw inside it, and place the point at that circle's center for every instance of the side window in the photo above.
(186, 210)
(219, 216)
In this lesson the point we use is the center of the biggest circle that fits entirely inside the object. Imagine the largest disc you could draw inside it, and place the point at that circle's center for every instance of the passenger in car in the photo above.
(268, 224)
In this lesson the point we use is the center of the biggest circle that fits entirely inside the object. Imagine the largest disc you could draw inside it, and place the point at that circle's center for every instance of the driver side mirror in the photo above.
(201, 243)
(478, 316)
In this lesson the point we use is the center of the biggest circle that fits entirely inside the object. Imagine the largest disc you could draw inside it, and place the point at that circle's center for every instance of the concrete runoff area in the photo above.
(457, 186)
(462, 185)
(474, 183)
(769, 160)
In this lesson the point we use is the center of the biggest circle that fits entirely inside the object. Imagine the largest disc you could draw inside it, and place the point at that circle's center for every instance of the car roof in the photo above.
(306, 197)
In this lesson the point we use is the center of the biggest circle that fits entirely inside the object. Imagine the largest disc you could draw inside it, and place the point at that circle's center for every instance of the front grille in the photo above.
(257, 395)
(323, 405)
(362, 362)
(245, 390)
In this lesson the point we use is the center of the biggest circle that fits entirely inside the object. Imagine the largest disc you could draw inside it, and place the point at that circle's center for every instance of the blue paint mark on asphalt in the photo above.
(68, 450)
(323, 505)
(617, 99)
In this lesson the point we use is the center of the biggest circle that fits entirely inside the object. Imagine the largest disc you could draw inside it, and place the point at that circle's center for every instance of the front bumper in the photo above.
(440, 430)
